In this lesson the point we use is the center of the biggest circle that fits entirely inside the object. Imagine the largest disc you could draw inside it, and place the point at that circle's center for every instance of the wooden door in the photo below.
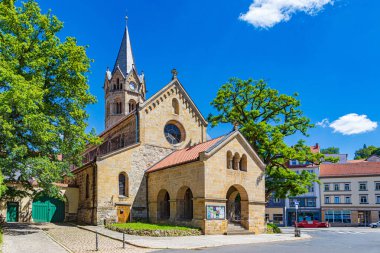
(123, 213)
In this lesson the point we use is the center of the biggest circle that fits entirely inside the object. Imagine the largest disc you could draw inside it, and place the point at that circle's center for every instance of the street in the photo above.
(332, 240)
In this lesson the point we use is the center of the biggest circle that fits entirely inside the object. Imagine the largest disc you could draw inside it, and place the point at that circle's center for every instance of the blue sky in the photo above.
(329, 54)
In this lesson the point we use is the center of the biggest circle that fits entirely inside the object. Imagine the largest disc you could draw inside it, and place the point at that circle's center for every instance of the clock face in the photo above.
(132, 85)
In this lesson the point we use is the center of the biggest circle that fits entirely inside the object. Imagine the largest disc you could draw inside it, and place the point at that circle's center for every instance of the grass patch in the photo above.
(148, 229)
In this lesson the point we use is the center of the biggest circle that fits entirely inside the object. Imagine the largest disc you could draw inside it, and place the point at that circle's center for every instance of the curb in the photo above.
(186, 248)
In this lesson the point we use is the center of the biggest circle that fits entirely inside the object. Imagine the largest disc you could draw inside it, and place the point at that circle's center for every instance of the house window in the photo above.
(266, 217)
(236, 161)
(327, 200)
(362, 186)
(175, 106)
(310, 202)
(293, 162)
(347, 187)
(338, 216)
(336, 187)
(276, 200)
(336, 200)
(347, 200)
(363, 199)
(377, 199)
(123, 184)
(229, 160)
(87, 186)
(377, 186)
(310, 188)
(327, 187)
(277, 218)
(243, 163)
(310, 171)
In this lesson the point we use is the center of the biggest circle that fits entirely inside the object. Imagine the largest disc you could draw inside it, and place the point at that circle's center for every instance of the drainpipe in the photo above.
(147, 200)
(94, 204)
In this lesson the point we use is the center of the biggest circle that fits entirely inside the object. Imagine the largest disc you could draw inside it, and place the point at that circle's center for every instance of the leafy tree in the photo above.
(330, 150)
(43, 95)
(266, 118)
(366, 152)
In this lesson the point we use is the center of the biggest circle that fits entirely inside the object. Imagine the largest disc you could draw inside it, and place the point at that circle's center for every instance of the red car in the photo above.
(312, 224)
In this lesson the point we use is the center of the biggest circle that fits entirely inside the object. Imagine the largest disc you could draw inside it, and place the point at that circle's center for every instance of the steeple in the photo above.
(124, 58)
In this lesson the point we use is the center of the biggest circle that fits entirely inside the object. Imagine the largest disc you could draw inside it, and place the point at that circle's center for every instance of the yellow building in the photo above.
(155, 163)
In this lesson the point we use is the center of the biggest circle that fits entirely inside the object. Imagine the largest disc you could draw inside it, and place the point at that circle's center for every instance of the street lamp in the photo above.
(297, 231)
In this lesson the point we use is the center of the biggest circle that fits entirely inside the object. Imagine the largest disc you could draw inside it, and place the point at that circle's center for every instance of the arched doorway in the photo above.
(163, 205)
(237, 204)
(185, 203)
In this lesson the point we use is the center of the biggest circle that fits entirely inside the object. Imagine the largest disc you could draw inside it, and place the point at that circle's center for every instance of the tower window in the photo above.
(132, 105)
(118, 108)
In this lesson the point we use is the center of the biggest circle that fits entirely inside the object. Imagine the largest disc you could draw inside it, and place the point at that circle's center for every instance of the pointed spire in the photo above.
(125, 59)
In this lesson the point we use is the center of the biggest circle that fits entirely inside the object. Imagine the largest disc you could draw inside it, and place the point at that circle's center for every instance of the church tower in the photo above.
(124, 88)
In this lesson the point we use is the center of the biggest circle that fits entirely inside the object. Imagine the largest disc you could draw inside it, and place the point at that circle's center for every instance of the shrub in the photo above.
(273, 229)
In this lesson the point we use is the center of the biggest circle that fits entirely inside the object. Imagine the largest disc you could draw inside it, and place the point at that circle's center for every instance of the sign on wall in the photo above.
(216, 212)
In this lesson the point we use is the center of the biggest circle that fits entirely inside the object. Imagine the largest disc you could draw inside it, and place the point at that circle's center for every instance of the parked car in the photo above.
(375, 224)
(313, 224)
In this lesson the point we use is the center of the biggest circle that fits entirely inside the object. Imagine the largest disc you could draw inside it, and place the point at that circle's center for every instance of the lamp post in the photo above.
(297, 231)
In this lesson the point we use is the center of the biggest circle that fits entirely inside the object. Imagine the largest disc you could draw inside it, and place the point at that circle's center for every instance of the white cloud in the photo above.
(324, 123)
(267, 13)
(353, 123)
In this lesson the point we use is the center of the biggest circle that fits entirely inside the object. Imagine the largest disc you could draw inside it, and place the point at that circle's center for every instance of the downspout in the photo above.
(147, 200)
(94, 183)
(137, 123)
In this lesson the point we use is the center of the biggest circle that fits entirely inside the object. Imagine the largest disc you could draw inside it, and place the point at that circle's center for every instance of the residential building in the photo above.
(274, 211)
(350, 193)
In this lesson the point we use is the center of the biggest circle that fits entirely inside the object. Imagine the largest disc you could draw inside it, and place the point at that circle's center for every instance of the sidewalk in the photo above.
(193, 242)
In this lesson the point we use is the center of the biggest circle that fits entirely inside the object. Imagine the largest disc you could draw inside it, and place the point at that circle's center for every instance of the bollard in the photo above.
(123, 240)
(96, 241)
(297, 232)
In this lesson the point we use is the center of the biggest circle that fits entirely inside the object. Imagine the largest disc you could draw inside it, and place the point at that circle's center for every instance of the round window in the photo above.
(173, 134)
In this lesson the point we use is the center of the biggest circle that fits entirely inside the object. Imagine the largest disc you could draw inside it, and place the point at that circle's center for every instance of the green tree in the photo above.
(330, 150)
(366, 152)
(266, 118)
(43, 95)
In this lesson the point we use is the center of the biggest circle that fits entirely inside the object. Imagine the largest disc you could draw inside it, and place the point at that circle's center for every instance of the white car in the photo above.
(375, 224)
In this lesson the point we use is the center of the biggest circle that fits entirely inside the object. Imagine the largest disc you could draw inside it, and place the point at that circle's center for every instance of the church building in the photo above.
(155, 163)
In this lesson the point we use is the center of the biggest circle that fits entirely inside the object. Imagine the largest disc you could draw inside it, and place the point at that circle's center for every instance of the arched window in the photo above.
(123, 184)
(236, 161)
(87, 186)
(132, 105)
(114, 86)
(243, 163)
(229, 160)
(175, 106)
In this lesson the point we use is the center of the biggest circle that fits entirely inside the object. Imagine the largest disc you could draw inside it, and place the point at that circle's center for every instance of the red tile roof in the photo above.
(350, 169)
(184, 155)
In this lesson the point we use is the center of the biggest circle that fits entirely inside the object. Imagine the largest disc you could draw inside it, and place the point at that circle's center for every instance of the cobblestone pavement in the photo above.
(79, 240)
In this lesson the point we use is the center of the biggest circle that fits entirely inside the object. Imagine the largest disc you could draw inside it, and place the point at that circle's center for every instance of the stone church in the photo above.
(155, 162)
